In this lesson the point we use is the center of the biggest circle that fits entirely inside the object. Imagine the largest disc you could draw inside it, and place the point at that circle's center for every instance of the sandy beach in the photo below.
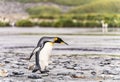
(86, 59)
(72, 68)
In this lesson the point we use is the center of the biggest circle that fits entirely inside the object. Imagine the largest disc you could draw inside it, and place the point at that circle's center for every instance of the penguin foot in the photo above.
(35, 70)
(45, 71)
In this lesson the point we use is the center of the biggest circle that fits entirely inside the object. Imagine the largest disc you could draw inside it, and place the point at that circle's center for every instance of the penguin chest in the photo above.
(46, 51)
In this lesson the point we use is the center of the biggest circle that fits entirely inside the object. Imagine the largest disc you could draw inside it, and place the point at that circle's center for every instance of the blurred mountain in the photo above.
(12, 10)
(16, 9)
(99, 6)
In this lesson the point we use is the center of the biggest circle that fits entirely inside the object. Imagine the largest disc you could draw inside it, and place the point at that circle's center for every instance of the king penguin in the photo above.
(43, 51)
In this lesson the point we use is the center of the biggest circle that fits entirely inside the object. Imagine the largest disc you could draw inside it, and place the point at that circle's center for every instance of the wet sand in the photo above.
(65, 68)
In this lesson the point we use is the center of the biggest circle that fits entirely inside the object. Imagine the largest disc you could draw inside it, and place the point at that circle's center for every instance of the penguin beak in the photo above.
(64, 43)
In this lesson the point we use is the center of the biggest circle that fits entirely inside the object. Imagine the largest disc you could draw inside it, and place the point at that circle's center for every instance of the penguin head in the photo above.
(59, 40)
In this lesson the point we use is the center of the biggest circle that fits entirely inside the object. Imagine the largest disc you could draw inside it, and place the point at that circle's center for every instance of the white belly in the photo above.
(45, 54)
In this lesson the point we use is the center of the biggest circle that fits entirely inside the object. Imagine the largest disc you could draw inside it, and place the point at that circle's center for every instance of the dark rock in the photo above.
(21, 64)
(7, 62)
(105, 62)
(56, 62)
(17, 73)
(75, 65)
(93, 73)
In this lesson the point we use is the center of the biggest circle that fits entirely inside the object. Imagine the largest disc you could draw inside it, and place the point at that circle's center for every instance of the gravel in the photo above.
(62, 68)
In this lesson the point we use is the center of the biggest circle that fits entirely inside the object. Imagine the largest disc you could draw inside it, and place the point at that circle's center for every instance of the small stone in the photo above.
(77, 68)
(17, 73)
(1, 65)
(105, 62)
(7, 61)
(44, 74)
(61, 77)
(14, 66)
(106, 72)
(56, 62)
(110, 72)
(78, 75)
(93, 73)
(3, 73)
(34, 76)
(31, 67)
(21, 64)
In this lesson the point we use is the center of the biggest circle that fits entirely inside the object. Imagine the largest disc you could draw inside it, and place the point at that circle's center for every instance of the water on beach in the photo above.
(80, 40)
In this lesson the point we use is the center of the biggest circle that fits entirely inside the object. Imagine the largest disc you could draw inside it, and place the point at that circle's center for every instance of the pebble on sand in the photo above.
(3, 73)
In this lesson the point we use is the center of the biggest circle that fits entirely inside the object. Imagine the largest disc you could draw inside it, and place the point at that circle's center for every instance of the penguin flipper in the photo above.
(31, 56)
(34, 51)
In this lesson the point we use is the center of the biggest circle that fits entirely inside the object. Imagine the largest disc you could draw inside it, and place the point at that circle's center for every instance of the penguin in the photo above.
(43, 51)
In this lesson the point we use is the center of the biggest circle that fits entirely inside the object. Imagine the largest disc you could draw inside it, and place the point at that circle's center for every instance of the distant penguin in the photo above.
(43, 51)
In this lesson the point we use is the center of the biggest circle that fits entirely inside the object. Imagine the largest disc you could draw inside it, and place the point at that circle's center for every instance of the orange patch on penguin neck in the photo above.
(55, 39)
(52, 43)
